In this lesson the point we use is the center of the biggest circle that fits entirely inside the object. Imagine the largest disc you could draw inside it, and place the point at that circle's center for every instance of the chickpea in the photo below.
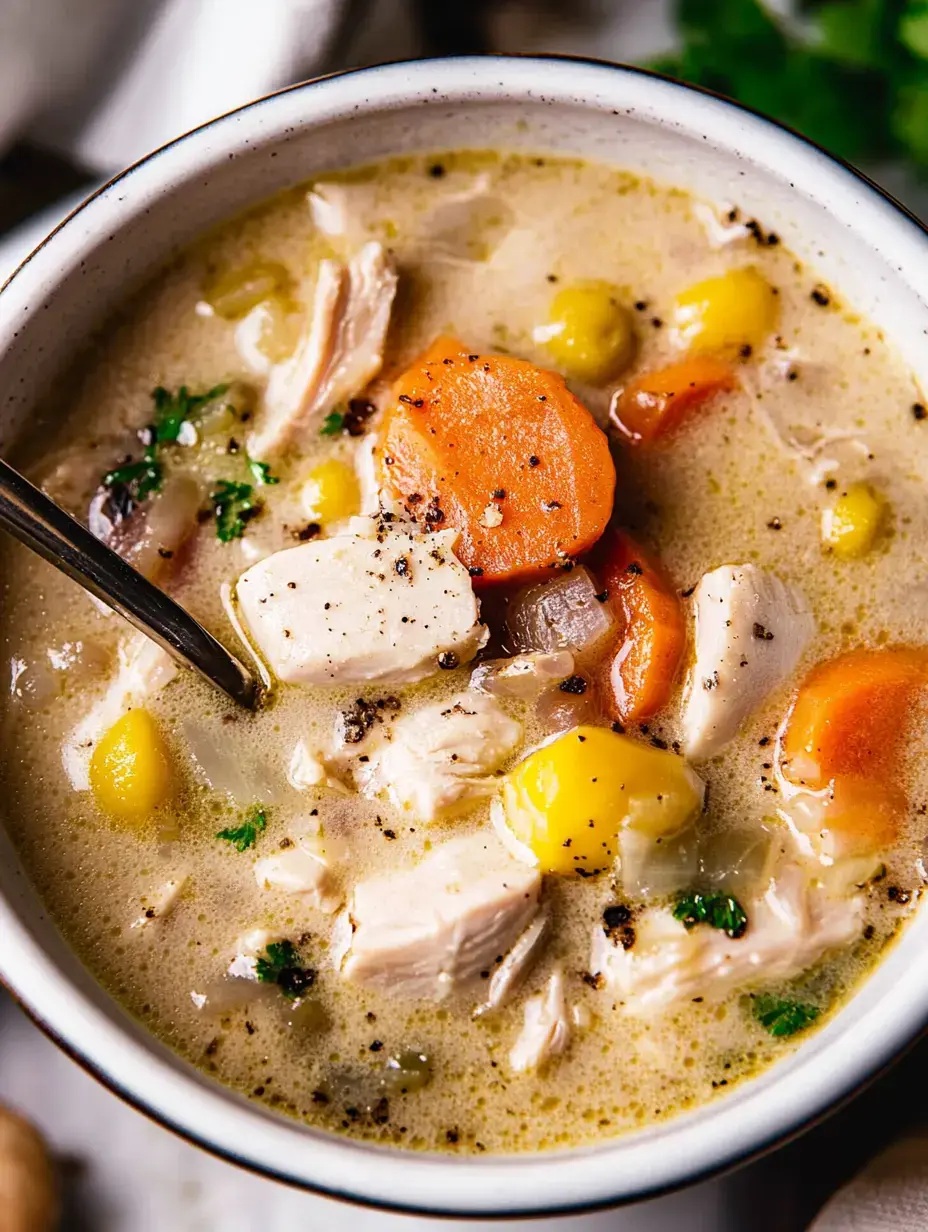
(591, 333)
(28, 1197)
(727, 314)
(851, 526)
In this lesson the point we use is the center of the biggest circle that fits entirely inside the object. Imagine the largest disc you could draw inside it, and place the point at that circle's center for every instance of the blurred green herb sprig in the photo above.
(850, 74)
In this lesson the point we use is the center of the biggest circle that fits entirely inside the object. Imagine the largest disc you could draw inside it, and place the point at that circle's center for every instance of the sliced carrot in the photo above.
(502, 451)
(657, 402)
(847, 727)
(642, 668)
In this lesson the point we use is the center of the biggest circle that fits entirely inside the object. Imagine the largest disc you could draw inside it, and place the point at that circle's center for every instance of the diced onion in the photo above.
(559, 712)
(561, 614)
(524, 676)
(737, 860)
(224, 770)
(653, 868)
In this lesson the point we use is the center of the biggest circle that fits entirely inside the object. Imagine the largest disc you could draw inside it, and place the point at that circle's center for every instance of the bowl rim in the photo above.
(758, 1114)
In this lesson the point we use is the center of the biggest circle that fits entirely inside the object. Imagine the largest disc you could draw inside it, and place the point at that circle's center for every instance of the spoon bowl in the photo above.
(35, 520)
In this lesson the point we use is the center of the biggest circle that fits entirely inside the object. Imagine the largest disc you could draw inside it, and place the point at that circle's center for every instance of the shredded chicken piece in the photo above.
(302, 869)
(792, 924)
(144, 669)
(511, 973)
(546, 1031)
(751, 631)
(421, 932)
(247, 949)
(308, 769)
(340, 352)
(438, 760)
(161, 902)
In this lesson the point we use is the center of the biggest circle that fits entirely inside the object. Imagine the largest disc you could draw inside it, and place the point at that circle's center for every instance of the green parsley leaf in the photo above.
(717, 910)
(262, 473)
(246, 834)
(233, 507)
(140, 478)
(173, 410)
(781, 1017)
(832, 77)
(913, 28)
(332, 424)
(280, 965)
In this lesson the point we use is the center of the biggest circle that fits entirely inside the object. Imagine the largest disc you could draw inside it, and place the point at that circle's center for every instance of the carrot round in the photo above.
(503, 452)
(642, 668)
(657, 402)
(847, 727)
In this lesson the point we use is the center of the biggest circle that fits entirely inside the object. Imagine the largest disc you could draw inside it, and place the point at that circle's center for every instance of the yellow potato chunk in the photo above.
(331, 492)
(233, 292)
(853, 522)
(727, 314)
(567, 801)
(591, 336)
(130, 771)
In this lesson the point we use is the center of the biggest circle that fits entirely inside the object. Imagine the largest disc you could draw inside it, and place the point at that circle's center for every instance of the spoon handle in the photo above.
(30, 516)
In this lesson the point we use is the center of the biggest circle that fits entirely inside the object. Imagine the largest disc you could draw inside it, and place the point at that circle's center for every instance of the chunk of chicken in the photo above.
(161, 902)
(308, 769)
(438, 760)
(248, 948)
(302, 869)
(510, 974)
(546, 1030)
(351, 609)
(425, 931)
(340, 352)
(144, 669)
(790, 926)
(751, 631)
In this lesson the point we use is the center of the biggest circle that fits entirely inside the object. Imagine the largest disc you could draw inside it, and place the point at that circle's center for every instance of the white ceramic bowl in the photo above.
(861, 242)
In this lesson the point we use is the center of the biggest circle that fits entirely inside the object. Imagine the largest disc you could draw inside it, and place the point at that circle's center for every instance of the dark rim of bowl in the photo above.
(737, 1158)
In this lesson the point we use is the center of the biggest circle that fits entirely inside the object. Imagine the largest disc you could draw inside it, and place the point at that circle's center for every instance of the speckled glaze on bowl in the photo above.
(860, 240)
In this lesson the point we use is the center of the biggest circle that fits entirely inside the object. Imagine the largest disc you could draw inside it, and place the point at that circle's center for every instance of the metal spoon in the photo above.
(30, 516)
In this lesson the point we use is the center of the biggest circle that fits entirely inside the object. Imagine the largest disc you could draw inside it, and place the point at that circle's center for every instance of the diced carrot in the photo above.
(847, 727)
(502, 451)
(657, 402)
(641, 670)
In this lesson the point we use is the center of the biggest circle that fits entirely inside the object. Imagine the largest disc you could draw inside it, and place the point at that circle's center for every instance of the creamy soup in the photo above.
(587, 779)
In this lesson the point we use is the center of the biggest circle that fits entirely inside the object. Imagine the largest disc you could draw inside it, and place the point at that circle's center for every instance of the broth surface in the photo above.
(745, 481)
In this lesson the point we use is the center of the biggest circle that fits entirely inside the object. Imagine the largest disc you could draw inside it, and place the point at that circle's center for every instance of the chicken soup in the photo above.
(577, 533)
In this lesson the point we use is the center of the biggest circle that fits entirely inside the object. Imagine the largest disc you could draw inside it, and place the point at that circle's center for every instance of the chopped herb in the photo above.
(262, 473)
(846, 73)
(246, 835)
(332, 424)
(717, 910)
(781, 1017)
(137, 479)
(280, 965)
(134, 482)
(172, 411)
(233, 507)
